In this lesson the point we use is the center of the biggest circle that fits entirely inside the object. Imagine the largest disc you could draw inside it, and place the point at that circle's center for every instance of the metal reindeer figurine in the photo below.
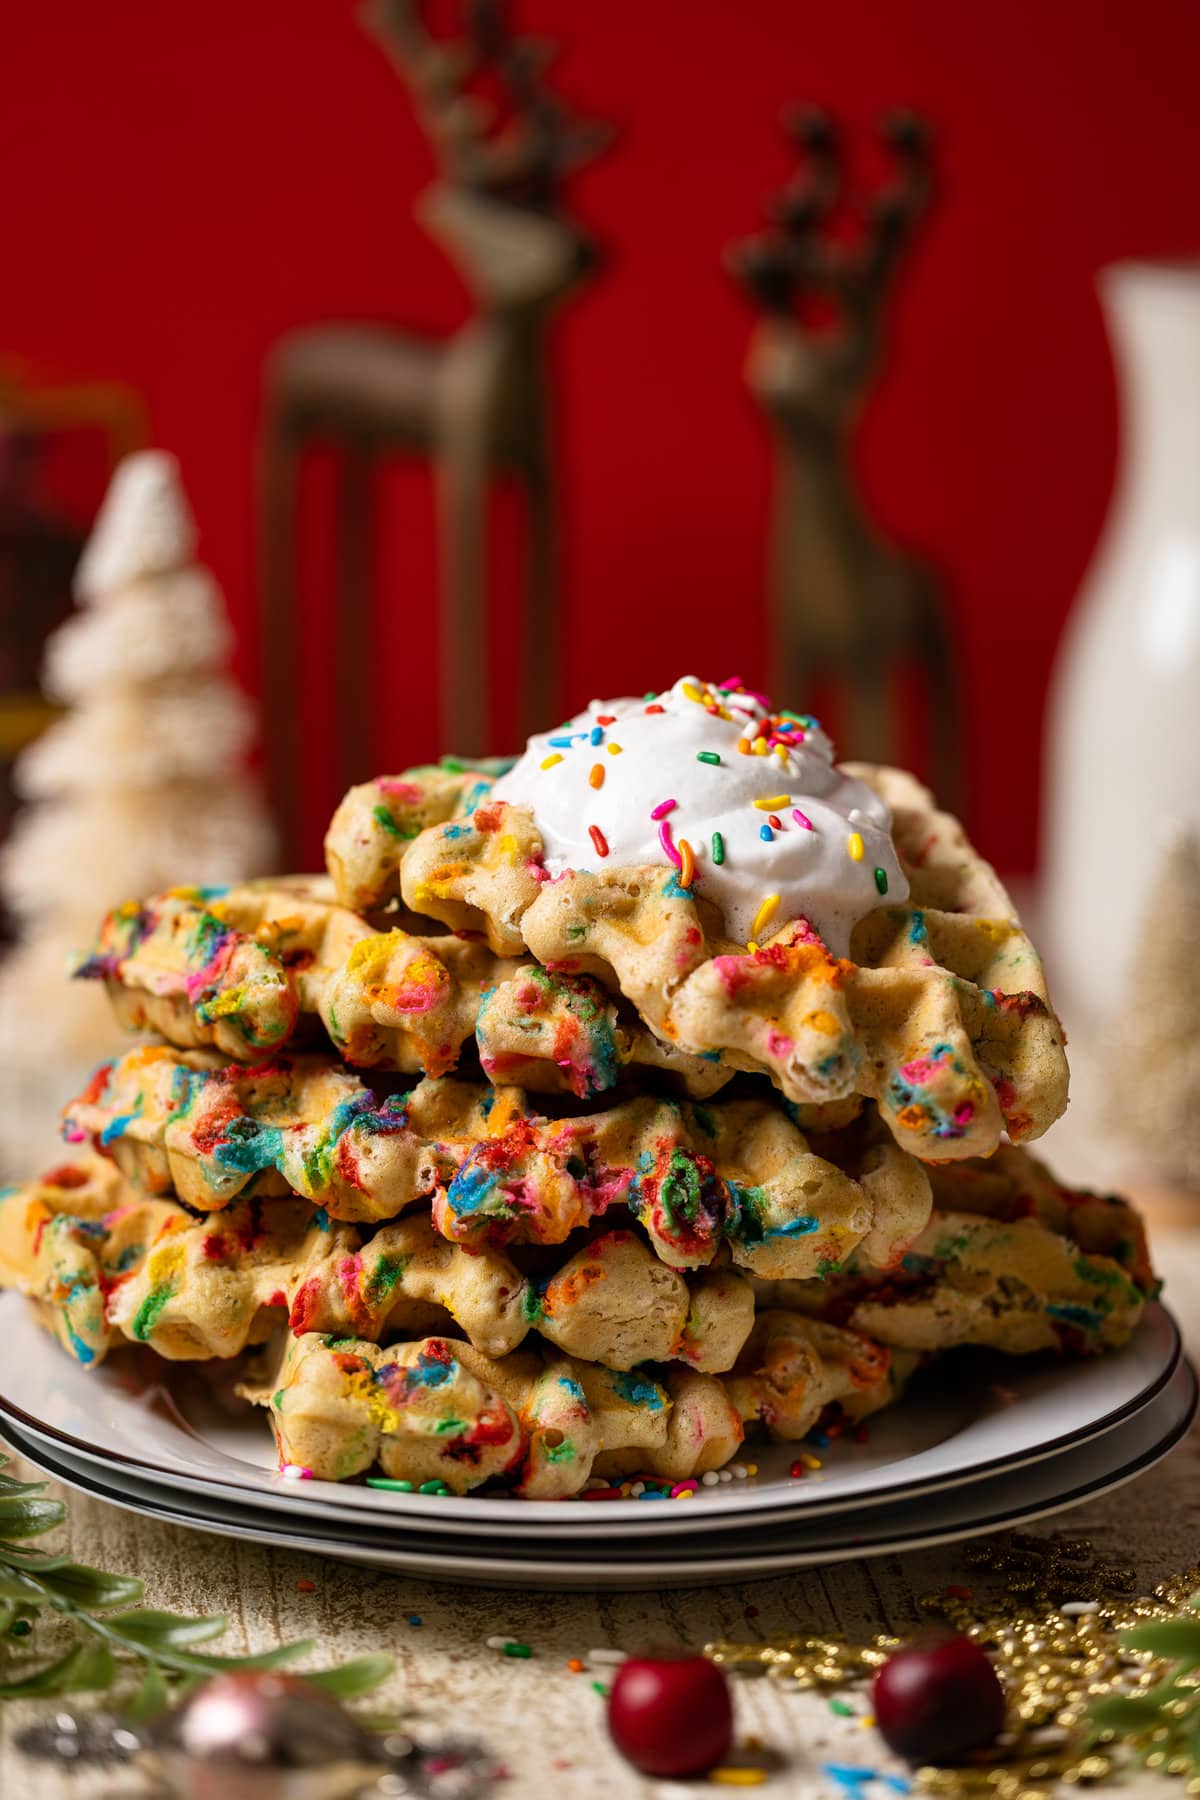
(475, 404)
(848, 609)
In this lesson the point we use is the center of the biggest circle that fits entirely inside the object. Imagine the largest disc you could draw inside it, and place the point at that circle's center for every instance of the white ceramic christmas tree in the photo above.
(139, 786)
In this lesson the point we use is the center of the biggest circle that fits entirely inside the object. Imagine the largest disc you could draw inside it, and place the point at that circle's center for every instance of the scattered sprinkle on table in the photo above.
(306, 1587)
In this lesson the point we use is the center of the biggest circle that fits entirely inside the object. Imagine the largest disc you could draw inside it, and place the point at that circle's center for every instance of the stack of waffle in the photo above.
(493, 1172)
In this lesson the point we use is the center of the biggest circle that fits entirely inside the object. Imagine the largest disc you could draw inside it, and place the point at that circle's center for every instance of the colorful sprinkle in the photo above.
(668, 843)
(654, 709)
(597, 734)
(802, 819)
(524, 1651)
(881, 881)
(548, 762)
(771, 802)
(854, 846)
(766, 912)
(596, 775)
(687, 864)
(759, 747)
(718, 848)
(708, 756)
(389, 1486)
(606, 718)
(743, 746)
(663, 808)
(613, 749)
(692, 692)
(775, 822)
(766, 834)
(598, 839)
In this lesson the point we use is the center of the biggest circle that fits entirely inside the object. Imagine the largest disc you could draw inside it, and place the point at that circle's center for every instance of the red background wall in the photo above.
(184, 184)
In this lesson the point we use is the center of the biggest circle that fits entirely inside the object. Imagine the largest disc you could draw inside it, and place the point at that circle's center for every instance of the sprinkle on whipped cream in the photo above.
(745, 803)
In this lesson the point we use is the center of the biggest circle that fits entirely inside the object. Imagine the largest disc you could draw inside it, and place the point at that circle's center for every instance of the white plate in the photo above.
(1057, 1482)
(962, 1421)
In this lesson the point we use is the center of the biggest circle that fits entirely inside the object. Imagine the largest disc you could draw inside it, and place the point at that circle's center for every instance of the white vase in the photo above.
(1123, 739)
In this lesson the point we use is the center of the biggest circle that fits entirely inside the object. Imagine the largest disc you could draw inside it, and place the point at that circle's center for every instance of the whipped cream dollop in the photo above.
(744, 802)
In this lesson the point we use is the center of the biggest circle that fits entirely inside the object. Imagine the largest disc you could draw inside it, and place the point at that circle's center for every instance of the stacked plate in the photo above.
(979, 1443)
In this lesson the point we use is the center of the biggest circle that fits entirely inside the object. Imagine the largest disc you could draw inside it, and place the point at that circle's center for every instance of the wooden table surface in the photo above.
(545, 1723)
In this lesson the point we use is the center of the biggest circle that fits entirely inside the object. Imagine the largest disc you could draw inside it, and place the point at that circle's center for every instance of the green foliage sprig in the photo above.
(148, 1658)
(1159, 1725)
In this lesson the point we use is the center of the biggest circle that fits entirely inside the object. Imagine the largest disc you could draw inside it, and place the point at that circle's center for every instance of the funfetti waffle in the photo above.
(829, 928)
(107, 1265)
(1010, 1259)
(441, 1411)
(272, 965)
(730, 1175)
(67, 1239)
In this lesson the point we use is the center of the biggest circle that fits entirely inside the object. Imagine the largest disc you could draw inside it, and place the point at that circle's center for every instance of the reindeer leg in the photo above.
(870, 733)
(541, 674)
(462, 487)
(353, 708)
(947, 749)
(278, 649)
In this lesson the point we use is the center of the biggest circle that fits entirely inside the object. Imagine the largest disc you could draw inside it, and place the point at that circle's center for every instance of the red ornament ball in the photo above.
(937, 1700)
(670, 1713)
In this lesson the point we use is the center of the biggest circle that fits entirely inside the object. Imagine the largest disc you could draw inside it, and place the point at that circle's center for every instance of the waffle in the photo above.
(108, 1266)
(66, 1238)
(253, 969)
(940, 1015)
(377, 821)
(441, 1411)
(1010, 1259)
(734, 1175)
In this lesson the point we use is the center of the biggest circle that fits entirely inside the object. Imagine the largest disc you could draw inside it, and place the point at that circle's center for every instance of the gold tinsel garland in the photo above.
(1052, 1629)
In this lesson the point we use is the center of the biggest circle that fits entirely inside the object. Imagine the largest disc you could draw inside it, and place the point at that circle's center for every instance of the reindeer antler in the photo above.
(799, 256)
(520, 158)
